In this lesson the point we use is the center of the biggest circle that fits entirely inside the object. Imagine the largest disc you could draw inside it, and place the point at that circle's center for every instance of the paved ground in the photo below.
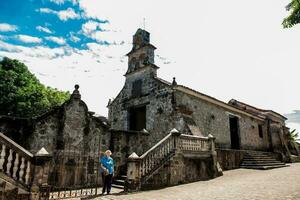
(240, 184)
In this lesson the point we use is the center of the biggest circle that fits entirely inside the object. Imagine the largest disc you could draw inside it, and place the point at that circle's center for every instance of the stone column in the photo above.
(39, 187)
(177, 166)
(216, 166)
(175, 134)
(133, 181)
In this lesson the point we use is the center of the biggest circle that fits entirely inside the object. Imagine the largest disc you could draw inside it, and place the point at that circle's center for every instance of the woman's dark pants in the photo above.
(106, 183)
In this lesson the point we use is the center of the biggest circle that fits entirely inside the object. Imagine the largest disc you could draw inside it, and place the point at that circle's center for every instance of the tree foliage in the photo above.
(294, 16)
(21, 93)
(293, 136)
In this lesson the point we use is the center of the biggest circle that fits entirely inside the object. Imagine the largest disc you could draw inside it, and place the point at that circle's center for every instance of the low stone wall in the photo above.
(180, 170)
(230, 159)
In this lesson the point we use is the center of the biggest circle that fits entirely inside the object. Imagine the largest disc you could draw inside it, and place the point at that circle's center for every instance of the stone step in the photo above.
(260, 160)
(261, 164)
(257, 156)
(117, 186)
(122, 177)
(119, 182)
(265, 167)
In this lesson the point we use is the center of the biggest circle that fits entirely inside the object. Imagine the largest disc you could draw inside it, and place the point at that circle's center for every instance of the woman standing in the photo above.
(107, 171)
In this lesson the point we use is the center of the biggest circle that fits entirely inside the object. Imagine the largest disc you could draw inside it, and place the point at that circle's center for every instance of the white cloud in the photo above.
(28, 39)
(89, 27)
(63, 15)
(57, 40)
(60, 2)
(74, 38)
(46, 10)
(101, 32)
(7, 27)
(44, 29)
(28, 53)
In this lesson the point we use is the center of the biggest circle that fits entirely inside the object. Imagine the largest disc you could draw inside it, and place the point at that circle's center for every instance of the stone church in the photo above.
(161, 133)
(150, 104)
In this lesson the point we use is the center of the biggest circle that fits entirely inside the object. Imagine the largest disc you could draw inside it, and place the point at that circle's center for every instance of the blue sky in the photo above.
(226, 49)
(51, 23)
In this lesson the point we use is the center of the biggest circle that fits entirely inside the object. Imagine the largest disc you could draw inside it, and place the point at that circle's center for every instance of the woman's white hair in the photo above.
(108, 151)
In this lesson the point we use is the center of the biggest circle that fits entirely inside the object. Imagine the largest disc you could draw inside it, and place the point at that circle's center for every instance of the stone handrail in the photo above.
(15, 161)
(156, 154)
(140, 169)
(194, 143)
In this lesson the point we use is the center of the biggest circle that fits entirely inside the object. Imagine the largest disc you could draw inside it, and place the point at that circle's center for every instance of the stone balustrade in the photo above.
(22, 169)
(194, 143)
(15, 161)
(140, 169)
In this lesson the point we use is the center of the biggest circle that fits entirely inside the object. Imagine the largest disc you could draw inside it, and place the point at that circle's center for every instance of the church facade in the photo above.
(154, 106)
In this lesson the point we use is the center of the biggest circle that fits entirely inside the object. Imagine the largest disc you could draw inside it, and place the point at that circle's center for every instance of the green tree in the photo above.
(294, 16)
(21, 93)
(293, 136)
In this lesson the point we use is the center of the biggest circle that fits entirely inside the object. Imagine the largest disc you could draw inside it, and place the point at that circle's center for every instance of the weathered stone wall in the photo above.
(45, 133)
(181, 170)
(230, 159)
(76, 140)
(160, 118)
(124, 144)
(71, 134)
(213, 119)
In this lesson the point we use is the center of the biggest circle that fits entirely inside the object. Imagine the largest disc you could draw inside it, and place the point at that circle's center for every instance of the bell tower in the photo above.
(141, 56)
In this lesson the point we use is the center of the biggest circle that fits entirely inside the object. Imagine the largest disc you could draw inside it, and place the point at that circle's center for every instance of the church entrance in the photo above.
(234, 132)
(137, 118)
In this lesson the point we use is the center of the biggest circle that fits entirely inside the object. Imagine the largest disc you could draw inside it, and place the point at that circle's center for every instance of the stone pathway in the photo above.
(240, 184)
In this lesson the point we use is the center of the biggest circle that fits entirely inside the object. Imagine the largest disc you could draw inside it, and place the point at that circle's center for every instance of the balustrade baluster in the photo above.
(27, 175)
(21, 173)
(144, 167)
(150, 161)
(147, 164)
(9, 164)
(2, 156)
(145, 161)
(15, 168)
(154, 158)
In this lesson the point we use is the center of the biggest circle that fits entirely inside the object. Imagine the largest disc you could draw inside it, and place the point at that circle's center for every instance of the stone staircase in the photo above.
(119, 182)
(8, 191)
(142, 170)
(260, 160)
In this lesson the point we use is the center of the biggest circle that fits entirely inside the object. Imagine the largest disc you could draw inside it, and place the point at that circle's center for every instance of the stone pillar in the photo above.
(133, 181)
(176, 168)
(216, 166)
(39, 187)
(175, 134)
